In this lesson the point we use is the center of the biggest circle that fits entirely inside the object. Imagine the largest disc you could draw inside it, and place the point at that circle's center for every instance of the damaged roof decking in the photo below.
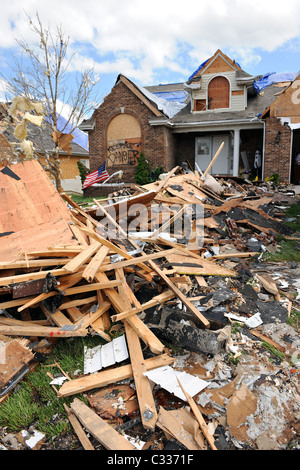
(32, 213)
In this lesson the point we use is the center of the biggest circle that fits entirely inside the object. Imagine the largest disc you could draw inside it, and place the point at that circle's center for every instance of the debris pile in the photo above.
(127, 271)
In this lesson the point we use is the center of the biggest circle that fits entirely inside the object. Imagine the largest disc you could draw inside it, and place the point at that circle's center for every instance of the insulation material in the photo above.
(36, 120)
(27, 148)
(166, 377)
(21, 131)
(104, 356)
(23, 104)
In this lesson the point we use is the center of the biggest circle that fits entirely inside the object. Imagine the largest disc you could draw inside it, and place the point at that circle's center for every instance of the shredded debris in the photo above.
(186, 271)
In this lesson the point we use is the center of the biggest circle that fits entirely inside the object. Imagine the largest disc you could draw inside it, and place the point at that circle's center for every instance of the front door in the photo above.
(207, 147)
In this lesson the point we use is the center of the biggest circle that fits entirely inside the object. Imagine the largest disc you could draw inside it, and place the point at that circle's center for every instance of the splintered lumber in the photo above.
(90, 271)
(199, 418)
(142, 386)
(5, 281)
(138, 325)
(46, 331)
(157, 300)
(198, 267)
(137, 261)
(110, 376)
(100, 429)
(214, 158)
(189, 305)
(92, 317)
(82, 258)
(86, 443)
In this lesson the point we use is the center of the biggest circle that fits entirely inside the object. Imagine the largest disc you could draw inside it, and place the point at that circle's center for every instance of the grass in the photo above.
(35, 402)
(289, 248)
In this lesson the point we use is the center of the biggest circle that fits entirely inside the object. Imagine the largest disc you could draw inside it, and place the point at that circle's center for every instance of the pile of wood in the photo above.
(86, 281)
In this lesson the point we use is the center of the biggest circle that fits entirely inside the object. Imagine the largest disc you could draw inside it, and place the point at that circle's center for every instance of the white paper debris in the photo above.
(251, 322)
(104, 356)
(166, 377)
(33, 439)
(58, 380)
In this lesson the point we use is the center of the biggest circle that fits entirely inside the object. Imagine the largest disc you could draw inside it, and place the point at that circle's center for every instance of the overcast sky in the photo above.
(161, 41)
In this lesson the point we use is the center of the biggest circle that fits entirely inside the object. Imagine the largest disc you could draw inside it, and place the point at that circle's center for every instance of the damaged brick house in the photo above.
(257, 118)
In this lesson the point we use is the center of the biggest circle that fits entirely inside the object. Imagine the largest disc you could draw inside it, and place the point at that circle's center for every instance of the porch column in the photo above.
(236, 152)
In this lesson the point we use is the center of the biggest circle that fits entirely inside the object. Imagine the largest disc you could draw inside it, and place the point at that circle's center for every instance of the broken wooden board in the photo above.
(204, 267)
(103, 432)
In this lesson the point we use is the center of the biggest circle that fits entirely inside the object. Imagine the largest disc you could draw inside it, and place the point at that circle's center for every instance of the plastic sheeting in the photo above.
(169, 108)
(273, 77)
(179, 96)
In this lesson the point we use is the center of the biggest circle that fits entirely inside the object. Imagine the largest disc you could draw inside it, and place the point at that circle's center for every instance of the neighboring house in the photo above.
(43, 142)
(189, 121)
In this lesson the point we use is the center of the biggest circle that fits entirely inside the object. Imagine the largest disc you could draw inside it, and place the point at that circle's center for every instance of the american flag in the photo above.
(96, 176)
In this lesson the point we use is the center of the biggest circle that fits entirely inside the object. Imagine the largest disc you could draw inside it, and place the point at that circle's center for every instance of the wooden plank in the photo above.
(157, 300)
(140, 328)
(109, 376)
(180, 295)
(46, 331)
(199, 418)
(143, 387)
(85, 442)
(78, 302)
(100, 429)
(36, 263)
(92, 317)
(137, 261)
(95, 263)
(81, 258)
(5, 281)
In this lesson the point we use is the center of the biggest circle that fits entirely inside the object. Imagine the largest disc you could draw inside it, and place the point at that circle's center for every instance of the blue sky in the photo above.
(161, 41)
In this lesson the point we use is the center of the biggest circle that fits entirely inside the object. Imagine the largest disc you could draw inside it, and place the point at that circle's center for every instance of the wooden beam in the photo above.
(86, 443)
(45, 331)
(180, 295)
(100, 429)
(137, 261)
(95, 263)
(157, 300)
(200, 419)
(82, 258)
(6, 281)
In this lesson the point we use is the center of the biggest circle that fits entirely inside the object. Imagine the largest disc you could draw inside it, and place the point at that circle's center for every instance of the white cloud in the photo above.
(139, 37)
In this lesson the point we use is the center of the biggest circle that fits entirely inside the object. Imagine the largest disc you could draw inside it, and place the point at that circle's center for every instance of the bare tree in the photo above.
(41, 75)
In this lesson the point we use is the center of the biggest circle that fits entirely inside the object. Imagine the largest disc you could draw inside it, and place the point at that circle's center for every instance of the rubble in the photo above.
(71, 272)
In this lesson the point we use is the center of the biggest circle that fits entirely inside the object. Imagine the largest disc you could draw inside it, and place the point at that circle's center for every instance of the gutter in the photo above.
(181, 125)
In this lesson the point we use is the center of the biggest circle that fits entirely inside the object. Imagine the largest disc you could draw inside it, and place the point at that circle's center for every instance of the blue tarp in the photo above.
(179, 96)
(80, 137)
(203, 65)
(273, 77)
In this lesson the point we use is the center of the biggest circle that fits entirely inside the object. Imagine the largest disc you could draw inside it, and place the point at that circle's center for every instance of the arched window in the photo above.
(218, 93)
(123, 140)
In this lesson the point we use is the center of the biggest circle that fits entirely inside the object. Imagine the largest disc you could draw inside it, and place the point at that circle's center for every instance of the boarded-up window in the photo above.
(123, 140)
(218, 93)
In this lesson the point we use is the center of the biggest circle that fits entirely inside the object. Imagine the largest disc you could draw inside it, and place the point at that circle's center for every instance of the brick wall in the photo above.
(157, 141)
(277, 154)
